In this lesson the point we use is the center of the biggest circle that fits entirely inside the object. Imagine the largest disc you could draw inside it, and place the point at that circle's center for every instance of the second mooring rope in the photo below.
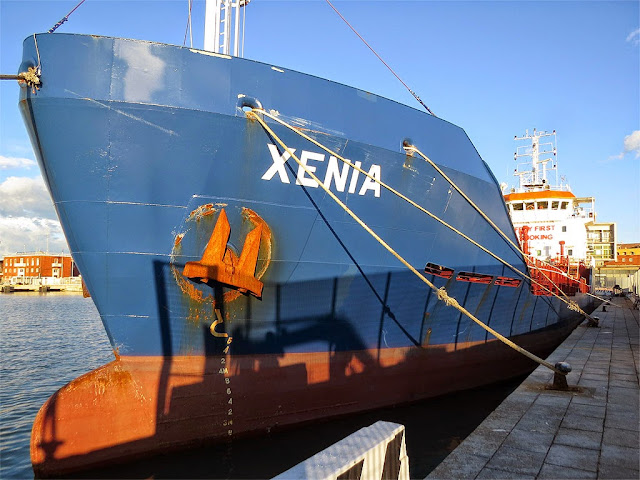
(570, 303)
(440, 292)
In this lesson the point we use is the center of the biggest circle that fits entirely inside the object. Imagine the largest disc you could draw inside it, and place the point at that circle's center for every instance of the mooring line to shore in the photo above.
(441, 292)
(572, 305)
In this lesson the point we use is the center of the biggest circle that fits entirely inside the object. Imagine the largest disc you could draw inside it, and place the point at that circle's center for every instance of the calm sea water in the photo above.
(47, 340)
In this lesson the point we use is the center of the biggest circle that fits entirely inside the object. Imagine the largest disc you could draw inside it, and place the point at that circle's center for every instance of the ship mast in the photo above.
(222, 29)
(539, 154)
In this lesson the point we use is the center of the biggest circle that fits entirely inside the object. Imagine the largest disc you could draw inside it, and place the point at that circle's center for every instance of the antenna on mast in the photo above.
(222, 26)
(539, 154)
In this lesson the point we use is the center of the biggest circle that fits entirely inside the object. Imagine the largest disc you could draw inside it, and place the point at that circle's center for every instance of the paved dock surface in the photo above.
(542, 433)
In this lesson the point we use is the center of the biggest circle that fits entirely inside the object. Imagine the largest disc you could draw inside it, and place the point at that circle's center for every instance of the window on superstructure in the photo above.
(555, 205)
(543, 205)
(564, 228)
(564, 205)
(517, 206)
(530, 205)
(570, 252)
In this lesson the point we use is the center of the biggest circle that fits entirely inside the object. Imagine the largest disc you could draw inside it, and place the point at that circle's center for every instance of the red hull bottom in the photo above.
(136, 406)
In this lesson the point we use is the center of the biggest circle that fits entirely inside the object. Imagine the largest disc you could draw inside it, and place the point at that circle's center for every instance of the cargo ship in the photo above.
(238, 296)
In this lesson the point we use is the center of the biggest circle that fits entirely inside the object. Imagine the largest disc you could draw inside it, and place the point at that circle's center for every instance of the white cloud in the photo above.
(25, 196)
(619, 156)
(15, 162)
(632, 143)
(27, 217)
(18, 234)
(634, 37)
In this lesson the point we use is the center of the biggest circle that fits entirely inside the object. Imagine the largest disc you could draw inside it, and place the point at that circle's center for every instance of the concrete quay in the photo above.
(592, 432)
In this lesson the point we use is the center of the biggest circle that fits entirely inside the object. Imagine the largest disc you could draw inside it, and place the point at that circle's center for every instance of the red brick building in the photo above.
(38, 265)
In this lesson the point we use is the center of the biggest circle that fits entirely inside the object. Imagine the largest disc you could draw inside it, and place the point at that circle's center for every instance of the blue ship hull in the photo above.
(143, 145)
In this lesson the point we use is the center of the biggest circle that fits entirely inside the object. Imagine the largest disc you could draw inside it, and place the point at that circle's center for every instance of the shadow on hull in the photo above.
(139, 406)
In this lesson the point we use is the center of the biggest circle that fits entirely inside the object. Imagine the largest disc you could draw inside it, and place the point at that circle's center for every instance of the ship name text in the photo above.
(337, 176)
(539, 232)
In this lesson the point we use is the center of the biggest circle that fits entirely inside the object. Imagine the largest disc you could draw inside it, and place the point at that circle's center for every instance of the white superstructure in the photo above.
(557, 220)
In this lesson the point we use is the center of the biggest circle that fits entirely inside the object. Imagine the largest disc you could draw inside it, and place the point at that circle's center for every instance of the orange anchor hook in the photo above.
(220, 264)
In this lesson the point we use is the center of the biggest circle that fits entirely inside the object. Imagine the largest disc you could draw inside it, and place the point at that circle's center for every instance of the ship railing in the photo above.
(558, 279)
(25, 280)
(39, 280)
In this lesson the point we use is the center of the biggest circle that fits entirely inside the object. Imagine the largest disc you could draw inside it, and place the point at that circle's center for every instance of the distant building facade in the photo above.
(601, 242)
(628, 249)
(23, 266)
(624, 271)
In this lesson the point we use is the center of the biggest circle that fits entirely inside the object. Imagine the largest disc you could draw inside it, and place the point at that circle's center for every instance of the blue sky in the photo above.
(496, 68)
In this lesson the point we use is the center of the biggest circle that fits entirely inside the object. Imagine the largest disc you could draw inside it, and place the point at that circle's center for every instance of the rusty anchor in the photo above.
(220, 264)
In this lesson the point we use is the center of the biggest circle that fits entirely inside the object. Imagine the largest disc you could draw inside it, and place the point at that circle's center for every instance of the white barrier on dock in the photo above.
(375, 452)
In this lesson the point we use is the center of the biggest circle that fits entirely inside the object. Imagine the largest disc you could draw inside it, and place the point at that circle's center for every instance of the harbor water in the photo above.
(47, 340)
